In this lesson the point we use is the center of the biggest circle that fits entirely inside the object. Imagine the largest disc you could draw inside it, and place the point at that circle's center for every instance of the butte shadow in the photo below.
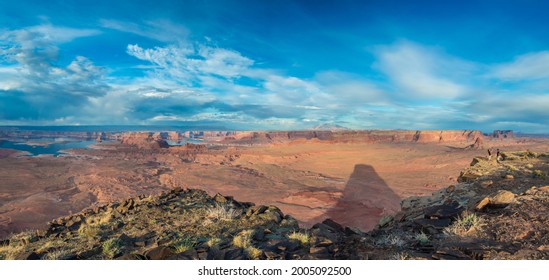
(365, 199)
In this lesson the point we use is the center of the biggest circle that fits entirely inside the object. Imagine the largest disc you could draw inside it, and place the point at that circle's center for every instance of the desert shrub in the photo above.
(184, 244)
(244, 240)
(214, 242)
(89, 232)
(58, 254)
(303, 237)
(253, 252)
(8, 252)
(400, 256)
(422, 238)
(468, 224)
(392, 240)
(223, 212)
(112, 247)
(539, 174)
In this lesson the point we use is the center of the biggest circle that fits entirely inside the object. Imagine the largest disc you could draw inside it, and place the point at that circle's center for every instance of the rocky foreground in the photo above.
(497, 211)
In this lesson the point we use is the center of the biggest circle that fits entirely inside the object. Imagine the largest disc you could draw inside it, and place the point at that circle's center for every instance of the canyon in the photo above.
(352, 177)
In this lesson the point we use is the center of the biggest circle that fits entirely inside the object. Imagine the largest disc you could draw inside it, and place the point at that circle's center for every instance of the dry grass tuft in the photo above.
(222, 212)
(422, 238)
(183, 245)
(303, 237)
(469, 224)
(111, 247)
(244, 240)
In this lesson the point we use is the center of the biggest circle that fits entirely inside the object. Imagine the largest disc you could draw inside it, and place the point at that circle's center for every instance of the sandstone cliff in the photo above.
(362, 136)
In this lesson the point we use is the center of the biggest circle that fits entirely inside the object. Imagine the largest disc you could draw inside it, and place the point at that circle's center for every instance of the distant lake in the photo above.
(183, 142)
(45, 146)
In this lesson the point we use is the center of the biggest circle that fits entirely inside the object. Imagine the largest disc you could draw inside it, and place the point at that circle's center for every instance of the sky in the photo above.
(276, 65)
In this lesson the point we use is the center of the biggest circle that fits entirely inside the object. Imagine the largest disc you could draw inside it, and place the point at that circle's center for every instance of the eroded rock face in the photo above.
(364, 136)
(144, 140)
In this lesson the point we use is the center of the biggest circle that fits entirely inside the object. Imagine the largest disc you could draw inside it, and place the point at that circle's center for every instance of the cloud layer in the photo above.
(174, 79)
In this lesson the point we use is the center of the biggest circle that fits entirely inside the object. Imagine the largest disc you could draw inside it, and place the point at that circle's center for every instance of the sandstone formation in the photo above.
(361, 136)
(144, 140)
(502, 134)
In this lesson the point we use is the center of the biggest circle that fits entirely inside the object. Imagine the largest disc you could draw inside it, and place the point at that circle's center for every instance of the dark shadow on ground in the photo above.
(366, 198)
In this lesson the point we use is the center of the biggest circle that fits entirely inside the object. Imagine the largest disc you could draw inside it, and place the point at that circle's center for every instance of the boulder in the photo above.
(433, 223)
(468, 176)
(445, 211)
(483, 203)
(486, 183)
(500, 199)
(159, 253)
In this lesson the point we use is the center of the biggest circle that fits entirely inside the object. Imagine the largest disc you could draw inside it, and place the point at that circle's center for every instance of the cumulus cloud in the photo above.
(180, 82)
(36, 87)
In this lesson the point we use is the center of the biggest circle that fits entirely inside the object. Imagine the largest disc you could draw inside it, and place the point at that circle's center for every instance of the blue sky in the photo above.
(276, 64)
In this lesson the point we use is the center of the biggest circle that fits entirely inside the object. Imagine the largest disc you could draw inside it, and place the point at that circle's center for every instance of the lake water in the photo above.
(183, 142)
(59, 144)
(54, 148)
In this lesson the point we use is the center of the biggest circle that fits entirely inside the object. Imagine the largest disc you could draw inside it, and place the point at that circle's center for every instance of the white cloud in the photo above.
(160, 30)
(525, 67)
(189, 63)
(37, 87)
(420, 72)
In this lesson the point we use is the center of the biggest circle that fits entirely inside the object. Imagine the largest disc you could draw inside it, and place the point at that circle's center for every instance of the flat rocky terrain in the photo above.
(353, 178)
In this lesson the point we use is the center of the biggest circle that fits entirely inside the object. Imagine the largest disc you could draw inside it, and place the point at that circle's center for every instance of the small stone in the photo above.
(450, 189)
(509, 177)
(270, 255)
(483, 203)
(486, 184)
(524, 235)
(139, 244)
(324, 242)
(158, 253)
(319, 250)
(260, 209)
(220, 199)
(72, 225)
(187, 255)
